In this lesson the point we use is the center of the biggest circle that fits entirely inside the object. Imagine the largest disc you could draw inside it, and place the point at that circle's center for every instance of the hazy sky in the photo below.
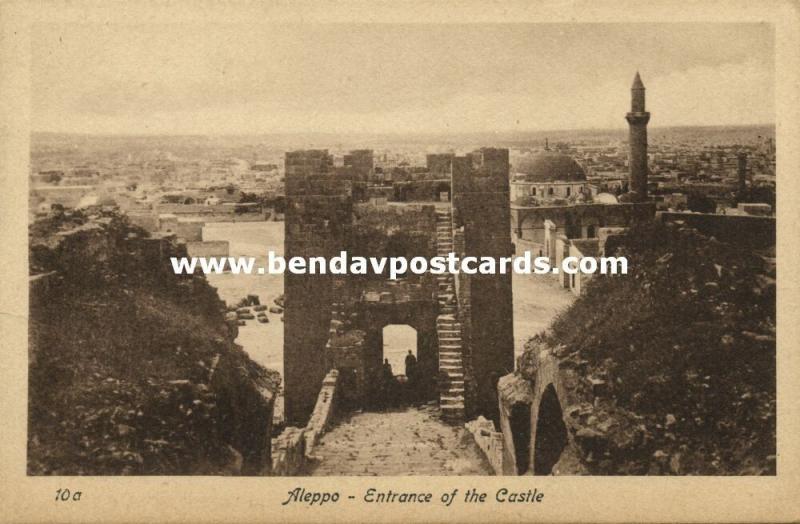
(183, 78)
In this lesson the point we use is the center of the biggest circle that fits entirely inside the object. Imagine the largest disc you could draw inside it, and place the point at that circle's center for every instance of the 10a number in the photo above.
(64, 495)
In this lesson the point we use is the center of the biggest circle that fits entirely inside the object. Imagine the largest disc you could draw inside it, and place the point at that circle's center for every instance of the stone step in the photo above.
(454, 400)
(453, 415)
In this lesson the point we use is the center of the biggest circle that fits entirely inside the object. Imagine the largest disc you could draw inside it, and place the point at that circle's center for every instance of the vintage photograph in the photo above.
(175, 166)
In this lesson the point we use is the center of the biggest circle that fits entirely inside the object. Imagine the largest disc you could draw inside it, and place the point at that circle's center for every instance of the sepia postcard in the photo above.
(400, 261)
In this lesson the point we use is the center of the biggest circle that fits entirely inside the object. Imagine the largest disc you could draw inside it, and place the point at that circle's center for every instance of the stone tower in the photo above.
(637, 122)
(481, 206)
(318, 211)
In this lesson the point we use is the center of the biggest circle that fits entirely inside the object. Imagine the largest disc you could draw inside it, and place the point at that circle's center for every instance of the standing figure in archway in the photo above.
(411, 374)
(387, 384)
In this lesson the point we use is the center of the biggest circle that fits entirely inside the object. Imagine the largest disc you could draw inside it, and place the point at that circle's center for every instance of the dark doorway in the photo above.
(551, 433)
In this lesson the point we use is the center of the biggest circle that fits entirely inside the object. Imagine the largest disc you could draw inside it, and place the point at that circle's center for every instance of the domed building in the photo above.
(546, 177)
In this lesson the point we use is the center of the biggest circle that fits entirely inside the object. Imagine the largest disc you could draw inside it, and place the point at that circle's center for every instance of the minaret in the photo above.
(637, 122)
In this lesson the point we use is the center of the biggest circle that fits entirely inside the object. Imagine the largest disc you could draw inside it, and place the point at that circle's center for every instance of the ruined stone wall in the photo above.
(292, 450)
(515, 399)
(489, 441)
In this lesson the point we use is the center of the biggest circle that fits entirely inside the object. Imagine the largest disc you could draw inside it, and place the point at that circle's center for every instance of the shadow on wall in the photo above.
(551, 434)
(520, 421)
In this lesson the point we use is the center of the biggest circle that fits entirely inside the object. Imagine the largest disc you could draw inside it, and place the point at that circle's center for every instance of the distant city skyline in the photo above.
(398, 78)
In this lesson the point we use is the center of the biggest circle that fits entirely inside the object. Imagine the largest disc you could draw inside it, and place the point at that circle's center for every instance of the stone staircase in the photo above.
(448, 328)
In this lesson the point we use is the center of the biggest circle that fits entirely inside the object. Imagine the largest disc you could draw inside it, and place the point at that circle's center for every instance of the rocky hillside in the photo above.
(676, 360)
(132, 368)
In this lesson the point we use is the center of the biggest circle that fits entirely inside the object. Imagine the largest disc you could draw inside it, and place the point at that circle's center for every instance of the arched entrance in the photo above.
(400, 354)
(398, 340)
(551, 433)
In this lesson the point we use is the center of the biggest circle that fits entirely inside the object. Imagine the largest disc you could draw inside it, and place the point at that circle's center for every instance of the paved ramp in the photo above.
(411, 441)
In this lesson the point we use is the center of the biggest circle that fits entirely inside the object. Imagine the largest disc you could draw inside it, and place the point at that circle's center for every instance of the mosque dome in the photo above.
(549, 167)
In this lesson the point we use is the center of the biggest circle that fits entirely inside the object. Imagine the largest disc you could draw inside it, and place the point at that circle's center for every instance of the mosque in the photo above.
(553, 211)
